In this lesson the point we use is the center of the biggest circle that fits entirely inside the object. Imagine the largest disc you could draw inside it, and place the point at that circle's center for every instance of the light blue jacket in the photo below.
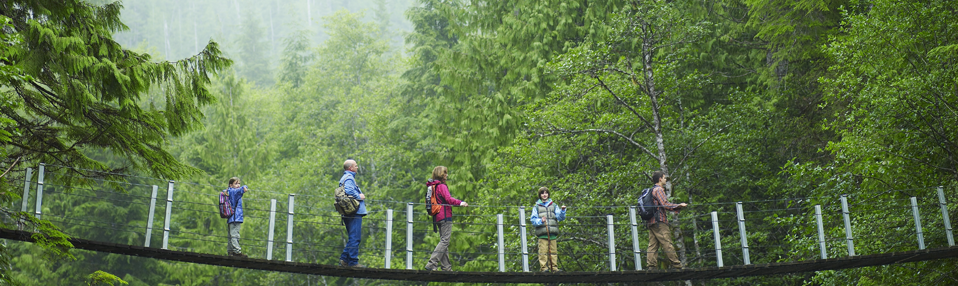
(351, 189)
(537, 220)
(236, 199)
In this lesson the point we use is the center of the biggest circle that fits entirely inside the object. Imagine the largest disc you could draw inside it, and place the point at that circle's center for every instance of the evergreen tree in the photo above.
(295, 59)
(86, 91)
(253, 51)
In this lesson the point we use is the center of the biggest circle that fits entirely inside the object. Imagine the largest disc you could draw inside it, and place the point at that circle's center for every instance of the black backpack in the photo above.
(646, 207)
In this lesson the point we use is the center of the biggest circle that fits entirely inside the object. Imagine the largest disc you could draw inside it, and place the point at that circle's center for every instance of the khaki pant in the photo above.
(659, 237)
(440, 255)
(548, 255)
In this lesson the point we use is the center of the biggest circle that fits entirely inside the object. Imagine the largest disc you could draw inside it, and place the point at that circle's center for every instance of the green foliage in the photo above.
(59, 111)
(295, 60)
(584, 97)
(103, 278)
(253, 52)
(893, 82)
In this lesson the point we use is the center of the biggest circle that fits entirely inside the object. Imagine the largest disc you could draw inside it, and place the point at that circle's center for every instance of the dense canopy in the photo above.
(782, 105)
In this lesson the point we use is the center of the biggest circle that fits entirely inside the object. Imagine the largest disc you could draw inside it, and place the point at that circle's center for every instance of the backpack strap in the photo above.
(438, 198)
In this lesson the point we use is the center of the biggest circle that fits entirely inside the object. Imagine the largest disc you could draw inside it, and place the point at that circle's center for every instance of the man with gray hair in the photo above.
(353, 223)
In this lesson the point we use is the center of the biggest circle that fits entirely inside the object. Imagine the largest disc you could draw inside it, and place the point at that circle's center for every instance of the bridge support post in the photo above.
(611, 226)
(26, 196)
(389, 238)
(821, 231)
(718, 239)
(848, 226)
(149, 221)
(914, 211)
(39, 207)
(502, 248)
(522, 238)
(409, 236)
(944, 215)
(289, 228)
(272, 227)
(169, 209)
(635, 238)
(26, 190)
(742, 233)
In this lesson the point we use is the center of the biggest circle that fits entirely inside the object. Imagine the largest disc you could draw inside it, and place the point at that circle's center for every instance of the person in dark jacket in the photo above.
(658, 226)
(437, 185)
(546, 216)
(235, 222)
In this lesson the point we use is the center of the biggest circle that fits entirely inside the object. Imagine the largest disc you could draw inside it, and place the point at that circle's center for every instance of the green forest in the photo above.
(781, 105)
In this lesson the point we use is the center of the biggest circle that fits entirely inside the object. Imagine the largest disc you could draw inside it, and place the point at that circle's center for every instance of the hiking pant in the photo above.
(233, 247)
(354, 229)
(548, 255)
(659, 237)
(440, 255)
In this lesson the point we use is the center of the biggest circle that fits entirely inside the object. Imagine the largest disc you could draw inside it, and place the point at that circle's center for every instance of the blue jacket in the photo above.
(236, 199)
(351, 189)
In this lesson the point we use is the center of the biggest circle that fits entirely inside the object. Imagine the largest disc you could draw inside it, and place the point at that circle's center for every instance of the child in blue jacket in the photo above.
(546, 217)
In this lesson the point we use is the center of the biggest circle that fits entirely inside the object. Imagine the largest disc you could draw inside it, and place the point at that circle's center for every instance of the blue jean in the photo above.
(354, 229)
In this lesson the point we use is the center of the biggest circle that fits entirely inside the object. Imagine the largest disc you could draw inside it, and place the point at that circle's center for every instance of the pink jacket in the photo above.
(444, 198)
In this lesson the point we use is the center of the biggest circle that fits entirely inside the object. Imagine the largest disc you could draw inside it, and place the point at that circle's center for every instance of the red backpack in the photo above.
(226, 208)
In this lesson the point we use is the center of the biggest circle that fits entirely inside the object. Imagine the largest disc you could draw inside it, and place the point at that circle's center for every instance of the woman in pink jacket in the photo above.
(437, 185)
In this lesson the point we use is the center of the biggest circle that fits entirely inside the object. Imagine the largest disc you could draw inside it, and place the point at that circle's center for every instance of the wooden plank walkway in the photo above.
(510, 277)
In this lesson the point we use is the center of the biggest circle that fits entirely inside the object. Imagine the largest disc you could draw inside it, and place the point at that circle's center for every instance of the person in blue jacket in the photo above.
(546, 216)
(235, 222)
(353, 223)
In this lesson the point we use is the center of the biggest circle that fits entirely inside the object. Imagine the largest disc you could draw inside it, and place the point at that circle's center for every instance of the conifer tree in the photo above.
(79, 89)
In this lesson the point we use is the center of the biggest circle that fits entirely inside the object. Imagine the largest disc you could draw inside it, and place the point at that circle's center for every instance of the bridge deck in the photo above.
(510, 277)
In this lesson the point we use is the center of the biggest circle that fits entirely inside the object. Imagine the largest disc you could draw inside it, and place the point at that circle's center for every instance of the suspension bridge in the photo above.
(106, 215)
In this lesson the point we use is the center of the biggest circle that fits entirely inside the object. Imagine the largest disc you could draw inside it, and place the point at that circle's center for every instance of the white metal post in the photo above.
(149, 221)
(742, 233)
(25, 202)
(289, 227)
(914, 211)
(608, 219)
(821, 231)
(635, 239)
(389, 237)
(522, 237)
(26, 190)
(718, 240)
(169, 209)
(944, 215)
(272, 228)
(502, 248)
(409, 236)
(848, 226)
(39, 191)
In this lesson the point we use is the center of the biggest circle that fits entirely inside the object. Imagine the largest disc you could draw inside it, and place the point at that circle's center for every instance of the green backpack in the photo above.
(344, 204)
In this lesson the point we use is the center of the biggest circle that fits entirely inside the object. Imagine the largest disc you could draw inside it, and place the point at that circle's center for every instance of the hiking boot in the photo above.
(342, 263)
(428, 269)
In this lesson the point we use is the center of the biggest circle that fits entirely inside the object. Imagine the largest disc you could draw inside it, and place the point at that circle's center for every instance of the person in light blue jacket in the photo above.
(353, 223)
(235, 222)
(546, 217)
